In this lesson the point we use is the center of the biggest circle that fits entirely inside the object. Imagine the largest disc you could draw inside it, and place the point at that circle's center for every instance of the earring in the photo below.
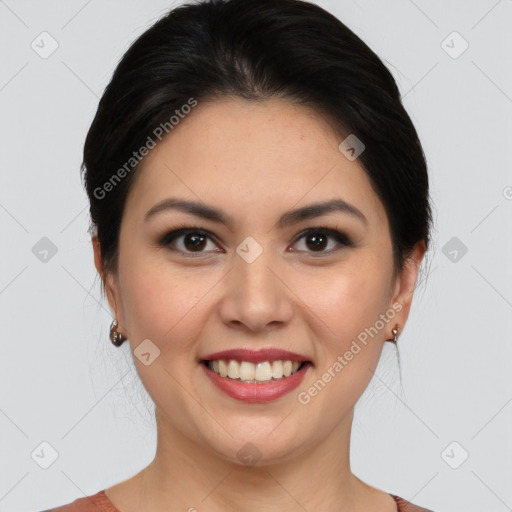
(116, 337)
(395, 334)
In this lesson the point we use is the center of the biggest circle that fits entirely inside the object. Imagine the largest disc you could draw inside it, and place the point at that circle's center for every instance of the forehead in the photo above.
(252, 157)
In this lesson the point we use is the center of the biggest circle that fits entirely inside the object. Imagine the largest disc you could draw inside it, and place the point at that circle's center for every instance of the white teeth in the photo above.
(248, 372)
(234, 369)
(263, 371)
(223, 368)
(277, 369)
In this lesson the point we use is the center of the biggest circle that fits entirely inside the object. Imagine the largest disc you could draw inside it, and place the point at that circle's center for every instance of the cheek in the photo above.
(351, 299)
(347, 305)
(160, 303)
(166, 307)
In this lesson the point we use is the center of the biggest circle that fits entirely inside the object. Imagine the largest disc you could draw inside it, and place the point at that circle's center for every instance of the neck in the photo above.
(185, 476)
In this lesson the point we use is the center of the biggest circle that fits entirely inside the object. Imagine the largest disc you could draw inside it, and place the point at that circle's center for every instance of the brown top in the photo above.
(100, 503)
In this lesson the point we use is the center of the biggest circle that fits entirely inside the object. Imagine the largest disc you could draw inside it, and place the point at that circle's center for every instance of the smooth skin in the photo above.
(254, 161)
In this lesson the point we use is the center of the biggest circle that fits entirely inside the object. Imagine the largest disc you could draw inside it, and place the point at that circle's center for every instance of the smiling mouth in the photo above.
(247, 372)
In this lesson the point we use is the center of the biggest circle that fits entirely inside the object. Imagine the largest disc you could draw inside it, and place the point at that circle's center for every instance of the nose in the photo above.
(256, 297)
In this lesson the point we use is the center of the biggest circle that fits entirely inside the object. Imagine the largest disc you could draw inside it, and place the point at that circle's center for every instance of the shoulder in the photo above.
(407, 506)
(94, 503)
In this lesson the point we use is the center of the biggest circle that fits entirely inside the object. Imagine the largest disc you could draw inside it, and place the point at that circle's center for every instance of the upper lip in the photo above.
(256, 356)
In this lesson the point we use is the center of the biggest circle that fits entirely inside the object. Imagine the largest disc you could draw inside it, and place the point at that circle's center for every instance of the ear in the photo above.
(109, 283)
(404, 286)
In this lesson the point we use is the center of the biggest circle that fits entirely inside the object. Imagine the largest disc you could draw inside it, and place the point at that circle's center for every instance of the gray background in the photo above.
(63, 383)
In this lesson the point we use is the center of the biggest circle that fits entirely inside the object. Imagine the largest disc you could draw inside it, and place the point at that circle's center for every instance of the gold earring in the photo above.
(115, 336)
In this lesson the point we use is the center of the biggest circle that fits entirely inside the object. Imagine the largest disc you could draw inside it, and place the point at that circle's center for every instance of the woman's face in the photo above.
(263, 278)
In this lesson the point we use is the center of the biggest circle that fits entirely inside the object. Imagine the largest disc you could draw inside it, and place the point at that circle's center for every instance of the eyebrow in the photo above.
(289, 218)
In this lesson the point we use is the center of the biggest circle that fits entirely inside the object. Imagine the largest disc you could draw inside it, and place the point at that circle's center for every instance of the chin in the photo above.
(251, 445)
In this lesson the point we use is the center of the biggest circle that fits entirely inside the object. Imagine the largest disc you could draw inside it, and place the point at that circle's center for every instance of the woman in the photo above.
(259, 199)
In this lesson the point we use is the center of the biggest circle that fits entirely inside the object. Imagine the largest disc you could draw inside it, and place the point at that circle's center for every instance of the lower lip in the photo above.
(257, 392)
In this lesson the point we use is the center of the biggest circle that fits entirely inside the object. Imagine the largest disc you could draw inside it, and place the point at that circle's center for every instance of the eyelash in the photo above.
(185, 229)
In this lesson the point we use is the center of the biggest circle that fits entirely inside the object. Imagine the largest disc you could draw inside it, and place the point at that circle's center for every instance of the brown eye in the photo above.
(194, 241)
(317, 239)
(187, 240)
